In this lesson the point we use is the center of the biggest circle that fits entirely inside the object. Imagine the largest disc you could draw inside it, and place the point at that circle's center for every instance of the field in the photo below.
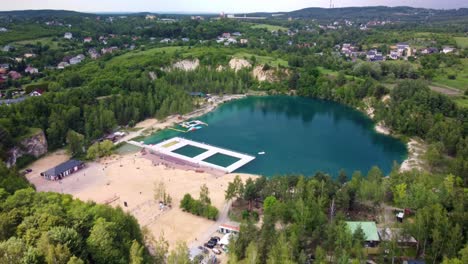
(28, 32)
(44, 41)
(461, 77)
(269, 27)
(462, 102)
(462, 42)
(272, 61)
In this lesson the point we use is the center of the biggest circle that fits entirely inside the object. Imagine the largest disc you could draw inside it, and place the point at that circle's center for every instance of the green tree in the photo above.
(75, 260)
(136, 253)
(100, 149)
(180, 255)
(101, 243)
(75, 142)
(205, 195)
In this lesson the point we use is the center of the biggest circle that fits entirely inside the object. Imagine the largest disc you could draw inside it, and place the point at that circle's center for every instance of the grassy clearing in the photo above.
(143, 57)
(462, 102)
(269, 27)
(462, 42)
(461, 77)
(272, 61)
(44, 41)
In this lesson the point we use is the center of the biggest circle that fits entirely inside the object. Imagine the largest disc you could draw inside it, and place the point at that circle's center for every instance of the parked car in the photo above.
(211, 243)
(27, 171)
(216, 251)
(204, 249)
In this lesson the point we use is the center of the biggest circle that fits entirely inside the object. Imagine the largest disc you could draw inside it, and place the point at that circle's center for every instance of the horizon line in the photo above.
(215, 12)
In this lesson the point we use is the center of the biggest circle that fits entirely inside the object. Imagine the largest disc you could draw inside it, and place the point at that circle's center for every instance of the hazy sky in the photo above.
(216, 6)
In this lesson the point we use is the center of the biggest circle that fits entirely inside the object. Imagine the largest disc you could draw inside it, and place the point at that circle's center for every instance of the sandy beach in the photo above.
(130, 178)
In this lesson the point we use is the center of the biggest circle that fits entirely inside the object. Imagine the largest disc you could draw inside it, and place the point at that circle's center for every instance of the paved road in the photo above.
(223, 218)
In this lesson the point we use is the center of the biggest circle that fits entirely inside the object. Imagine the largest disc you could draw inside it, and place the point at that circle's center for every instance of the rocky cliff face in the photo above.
(35, 145)
(237, 64)
(264, 75)
(187, 65)
(269, 75)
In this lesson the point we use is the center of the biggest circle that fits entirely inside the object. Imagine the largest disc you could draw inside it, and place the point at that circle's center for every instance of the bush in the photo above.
(196, 207)
(100, 149)
(25, 160)
(245, 214)
(451, 76)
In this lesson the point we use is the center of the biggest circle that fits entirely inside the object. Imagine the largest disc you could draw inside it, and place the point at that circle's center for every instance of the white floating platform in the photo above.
(168, 146)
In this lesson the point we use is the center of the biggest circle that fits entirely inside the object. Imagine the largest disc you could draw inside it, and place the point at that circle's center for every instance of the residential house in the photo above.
(14, 75)
(403, 49)
(374, 55)
(378, 58)
(394, 55)
(2, 29)
(236, 34)
(348, 49)
(165, 40)
(244, 41)
(62, 170)
(62, 65)
(87, 40)
(447, 49)
(231, 41)
(398, 235)
(93, 53)
(77, 59)
(5, 66)
(31, 70)
(226, 35)
(229, 227)
(29, 55)
(185, 39)
(429, 51)
(7, 48)
(37, 92)
(68, 35)
(3, 71)
(109, 50)
(371, 235)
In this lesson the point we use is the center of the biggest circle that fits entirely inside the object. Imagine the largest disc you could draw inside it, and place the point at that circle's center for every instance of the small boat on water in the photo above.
(261, 153)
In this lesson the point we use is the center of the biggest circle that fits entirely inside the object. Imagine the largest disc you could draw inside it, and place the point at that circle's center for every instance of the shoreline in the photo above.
(157, 125)
(414, 146)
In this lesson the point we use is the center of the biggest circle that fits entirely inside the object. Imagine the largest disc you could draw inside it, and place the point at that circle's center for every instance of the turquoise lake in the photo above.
(298, 135)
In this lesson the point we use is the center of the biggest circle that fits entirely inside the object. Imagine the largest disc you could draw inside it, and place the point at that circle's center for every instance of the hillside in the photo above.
(402, 13)
(42, 13)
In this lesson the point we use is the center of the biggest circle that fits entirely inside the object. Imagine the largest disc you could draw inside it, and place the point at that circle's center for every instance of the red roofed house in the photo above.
(14, 75)
(229, 227)
(87, 40)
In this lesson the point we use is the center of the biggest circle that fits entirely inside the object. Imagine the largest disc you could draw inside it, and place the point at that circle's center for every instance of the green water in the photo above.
(298, 135)
(221, 160)
(190, 151)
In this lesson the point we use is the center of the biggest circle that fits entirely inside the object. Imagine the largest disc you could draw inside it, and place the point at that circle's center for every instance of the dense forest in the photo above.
(38, 227)
(304, 217)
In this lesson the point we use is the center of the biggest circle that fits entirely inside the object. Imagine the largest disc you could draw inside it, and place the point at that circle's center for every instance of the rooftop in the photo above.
(369, 228)
(67, 165)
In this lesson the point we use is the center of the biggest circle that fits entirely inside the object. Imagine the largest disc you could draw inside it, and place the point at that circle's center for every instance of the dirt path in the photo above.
(445, 90)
